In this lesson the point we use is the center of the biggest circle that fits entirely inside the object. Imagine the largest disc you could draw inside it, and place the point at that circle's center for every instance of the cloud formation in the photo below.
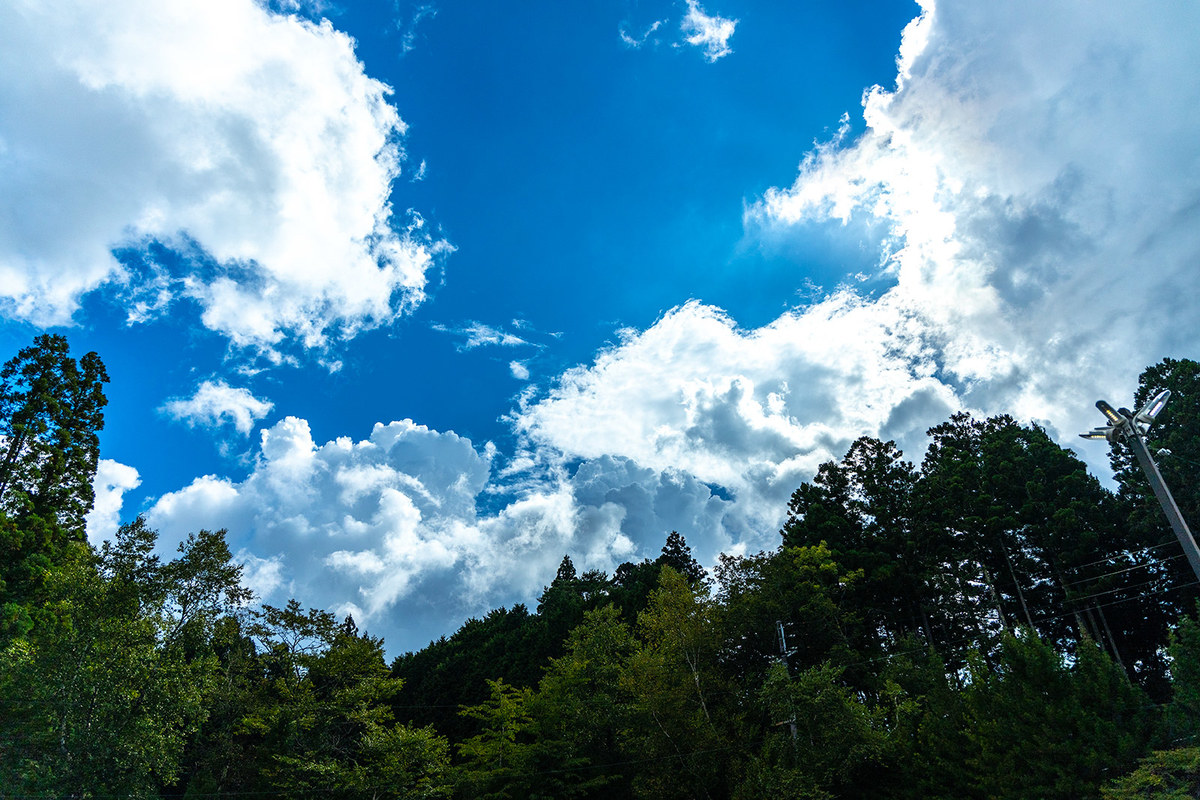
(111, 481)
(476, 334)
(216, 403)
(408, 29)
(754, 412)
(710, 33)
(1015, 167)
(1034, 168)
(637, 42)
(248, 143)
(363, 525)
(1030, 165)
(519, 370)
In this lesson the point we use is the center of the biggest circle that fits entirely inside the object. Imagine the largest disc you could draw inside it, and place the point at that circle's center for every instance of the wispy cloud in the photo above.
(637, 42)
(408, 27)
(477, 334)
(711, 33)
(216, 403)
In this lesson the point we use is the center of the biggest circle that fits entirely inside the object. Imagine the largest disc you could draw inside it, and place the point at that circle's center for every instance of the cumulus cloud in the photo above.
(263, 576)
(403, 530)
(248, 143)
(519, 370)
(1042, 247)
(216, 403)
(754, 412)
(110, 483)
(403, 497)
(1033, 167)
(710, 33)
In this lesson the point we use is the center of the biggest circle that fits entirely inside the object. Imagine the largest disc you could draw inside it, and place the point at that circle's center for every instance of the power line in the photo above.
(1109, 558)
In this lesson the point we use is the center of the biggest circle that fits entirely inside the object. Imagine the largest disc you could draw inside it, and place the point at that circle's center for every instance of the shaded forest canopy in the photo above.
(989, 623)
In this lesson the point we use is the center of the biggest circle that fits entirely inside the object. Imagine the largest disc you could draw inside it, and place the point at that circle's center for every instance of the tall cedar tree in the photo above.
(51, 414)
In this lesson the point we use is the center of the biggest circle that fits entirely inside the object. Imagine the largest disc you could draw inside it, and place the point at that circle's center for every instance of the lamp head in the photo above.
(1122, 421)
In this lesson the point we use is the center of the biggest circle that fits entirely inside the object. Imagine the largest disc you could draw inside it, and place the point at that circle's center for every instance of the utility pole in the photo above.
(1125, 425)
(784, 652)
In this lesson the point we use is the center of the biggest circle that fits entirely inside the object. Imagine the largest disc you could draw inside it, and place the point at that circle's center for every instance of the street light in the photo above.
(1131, 427)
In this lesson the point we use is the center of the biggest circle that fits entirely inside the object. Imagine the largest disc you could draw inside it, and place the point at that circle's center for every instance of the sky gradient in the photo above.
(415, 299)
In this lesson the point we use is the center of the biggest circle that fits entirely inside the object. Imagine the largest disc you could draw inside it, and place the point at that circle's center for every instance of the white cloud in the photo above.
(388, 527)
(752, 411)
(216, 403)
(249, 142)
(313, 9)
(391, 496)
(1043, 247)
(476, 334)
(518, 370)
(110, 483)
(408, 30)
(1035, 166)
(711, 33)
(263, 576)
(636, 43)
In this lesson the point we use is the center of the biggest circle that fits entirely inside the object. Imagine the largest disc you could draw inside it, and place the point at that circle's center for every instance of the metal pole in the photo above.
(783, 656)
(1166, 500)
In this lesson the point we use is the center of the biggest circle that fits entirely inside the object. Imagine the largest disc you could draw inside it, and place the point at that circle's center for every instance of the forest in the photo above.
(989, 623)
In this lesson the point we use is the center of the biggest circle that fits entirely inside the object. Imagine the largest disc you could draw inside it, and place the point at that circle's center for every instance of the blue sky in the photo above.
(416, 298)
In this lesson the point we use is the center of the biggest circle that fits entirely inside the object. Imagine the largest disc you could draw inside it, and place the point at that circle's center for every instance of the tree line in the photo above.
(989, 623)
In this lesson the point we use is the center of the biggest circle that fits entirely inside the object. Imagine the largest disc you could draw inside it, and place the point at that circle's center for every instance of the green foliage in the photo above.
(1039, 728)
(1164, 775)
(1183, 713)
(802, 587)
(303, 707)
(105, 688)
(454, 671)
(676, 685)
(632, 584)
(678, 556)
(999, 527)
(1165, 581)
(514, 756)
(1177, 429)
(992, 624)
(50, 417)
(582, 703)
(51, 412)
(836, 735)
(330, 729)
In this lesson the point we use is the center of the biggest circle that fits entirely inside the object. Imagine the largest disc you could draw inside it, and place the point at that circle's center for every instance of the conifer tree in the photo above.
(678, 556)
(51, 414)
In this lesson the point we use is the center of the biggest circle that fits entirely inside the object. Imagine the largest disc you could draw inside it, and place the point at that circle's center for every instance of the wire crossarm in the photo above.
(1128, 426)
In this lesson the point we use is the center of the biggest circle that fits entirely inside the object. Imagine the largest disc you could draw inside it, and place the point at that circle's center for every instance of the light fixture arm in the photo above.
(1131, 427)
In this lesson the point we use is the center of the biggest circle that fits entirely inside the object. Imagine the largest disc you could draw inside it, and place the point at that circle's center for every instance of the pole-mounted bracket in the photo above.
(1130, 427)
